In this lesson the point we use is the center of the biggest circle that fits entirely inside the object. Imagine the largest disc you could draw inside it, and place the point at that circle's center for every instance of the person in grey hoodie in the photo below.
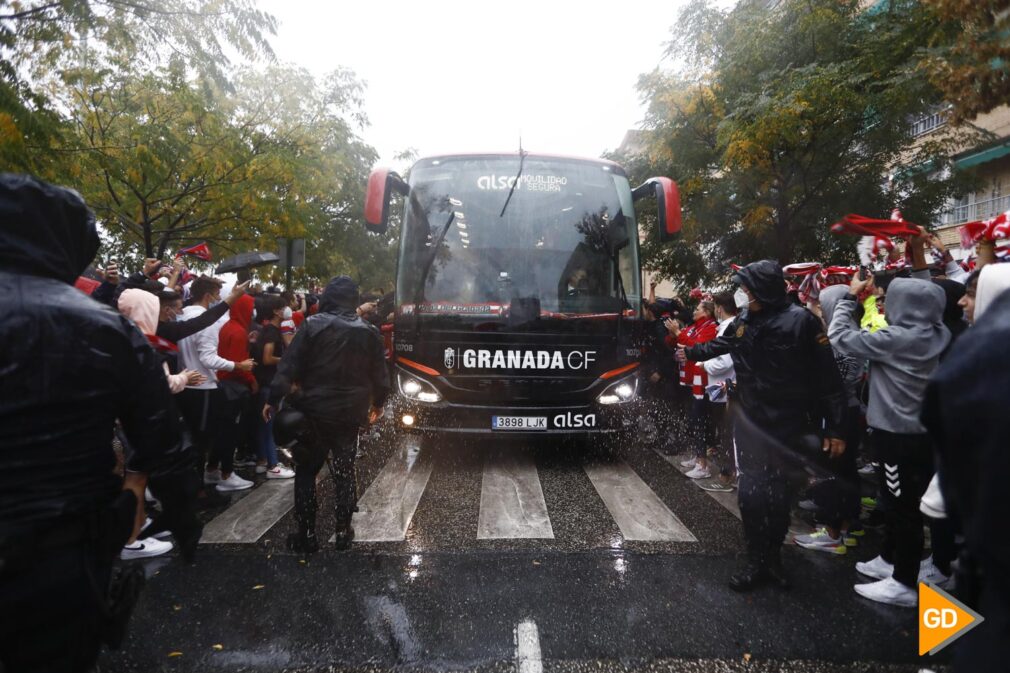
(902, 357)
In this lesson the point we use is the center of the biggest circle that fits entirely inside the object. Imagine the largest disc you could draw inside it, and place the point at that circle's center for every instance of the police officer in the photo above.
(792, 402)
(69, 367)
(337, 361)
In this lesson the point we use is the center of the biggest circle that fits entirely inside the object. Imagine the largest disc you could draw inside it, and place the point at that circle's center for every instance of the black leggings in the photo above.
(340, 443)
(837, 497)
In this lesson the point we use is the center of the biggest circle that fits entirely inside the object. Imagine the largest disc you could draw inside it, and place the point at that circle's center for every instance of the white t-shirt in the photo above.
(199, 351)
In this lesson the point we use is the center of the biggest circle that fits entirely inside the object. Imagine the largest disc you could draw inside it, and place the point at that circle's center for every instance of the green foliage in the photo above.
(969, 54)
(778, 122)
(136, 104)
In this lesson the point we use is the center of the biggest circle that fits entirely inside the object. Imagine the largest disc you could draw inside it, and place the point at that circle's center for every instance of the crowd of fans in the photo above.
(829, 373)
(898, 335)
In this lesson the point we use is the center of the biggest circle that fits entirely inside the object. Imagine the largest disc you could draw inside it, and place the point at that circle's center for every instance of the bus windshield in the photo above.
(566, 244)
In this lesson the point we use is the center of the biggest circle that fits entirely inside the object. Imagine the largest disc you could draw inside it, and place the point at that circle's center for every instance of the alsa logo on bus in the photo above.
(536, 183)
(476, 358)
(571, 420)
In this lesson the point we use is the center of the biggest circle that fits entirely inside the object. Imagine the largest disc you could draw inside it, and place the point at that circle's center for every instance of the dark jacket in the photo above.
(337, 359)
(69, 367)
(787, 380)
(965, 413)
(177, 330)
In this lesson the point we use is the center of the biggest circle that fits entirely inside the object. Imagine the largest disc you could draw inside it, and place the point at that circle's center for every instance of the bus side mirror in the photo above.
(668, 204)
(381, 184)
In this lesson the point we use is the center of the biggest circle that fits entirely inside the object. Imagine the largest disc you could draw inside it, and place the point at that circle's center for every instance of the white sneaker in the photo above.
(869, 468)
(160, 536)
(690, 462)
(261, 468)
(878, 568)
(278, 471)
(889, 591)
(821, 540)
(211, 477)
(233, 483)
(699, 472)
(930, 574)
(145, 548)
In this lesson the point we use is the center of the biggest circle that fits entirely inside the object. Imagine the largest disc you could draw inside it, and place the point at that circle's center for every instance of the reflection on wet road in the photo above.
(504, 555)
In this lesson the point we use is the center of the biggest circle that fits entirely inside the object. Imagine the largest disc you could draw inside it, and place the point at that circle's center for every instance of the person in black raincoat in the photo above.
(791, 403)
(69, 367)
(337, 360)
(965, 413)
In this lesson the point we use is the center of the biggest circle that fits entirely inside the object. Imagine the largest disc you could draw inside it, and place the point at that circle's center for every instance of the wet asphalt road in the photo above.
(443, 598)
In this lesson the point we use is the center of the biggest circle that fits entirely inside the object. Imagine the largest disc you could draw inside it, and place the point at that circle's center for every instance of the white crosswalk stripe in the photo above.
(388, 505)
(247, 520)
(636, 508)
(512, 502)
(511, 499)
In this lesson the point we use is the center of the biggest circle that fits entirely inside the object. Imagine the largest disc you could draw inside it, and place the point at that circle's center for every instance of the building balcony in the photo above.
(980, 210)
(930, 122)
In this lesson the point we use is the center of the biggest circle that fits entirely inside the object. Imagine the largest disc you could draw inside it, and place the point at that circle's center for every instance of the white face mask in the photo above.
(740, 299)
(287, 313)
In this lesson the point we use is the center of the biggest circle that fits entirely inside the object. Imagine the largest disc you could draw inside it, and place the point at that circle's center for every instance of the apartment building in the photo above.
(990, 160)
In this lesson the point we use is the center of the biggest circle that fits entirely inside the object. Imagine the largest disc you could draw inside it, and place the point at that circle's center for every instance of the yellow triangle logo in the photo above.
(942, 619)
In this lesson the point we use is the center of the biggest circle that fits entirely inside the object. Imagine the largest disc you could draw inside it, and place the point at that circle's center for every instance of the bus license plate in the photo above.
(519, 423)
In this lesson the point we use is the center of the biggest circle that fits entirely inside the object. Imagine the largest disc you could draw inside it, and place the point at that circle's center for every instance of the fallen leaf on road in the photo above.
(536, 563)
(177, 607)
(258, 586)
(746, 657)
(217, 647)
(175, 654)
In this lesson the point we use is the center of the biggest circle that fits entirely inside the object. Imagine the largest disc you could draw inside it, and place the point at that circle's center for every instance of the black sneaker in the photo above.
(751, 576)
(303, 543)
(343, 537)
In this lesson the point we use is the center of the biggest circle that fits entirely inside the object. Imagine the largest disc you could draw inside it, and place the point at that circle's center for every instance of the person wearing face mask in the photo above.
(173, 329)
(790, 398)
(203, 406)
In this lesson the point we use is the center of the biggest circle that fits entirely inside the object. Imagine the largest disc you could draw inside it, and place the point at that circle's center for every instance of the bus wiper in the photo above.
(522, 159)
(419, 294)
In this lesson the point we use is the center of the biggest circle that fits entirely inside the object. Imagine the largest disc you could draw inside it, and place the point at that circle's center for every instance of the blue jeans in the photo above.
(265, 449)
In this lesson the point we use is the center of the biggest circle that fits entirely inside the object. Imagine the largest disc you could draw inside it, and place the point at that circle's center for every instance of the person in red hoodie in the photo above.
(692, 374)
(237, 386)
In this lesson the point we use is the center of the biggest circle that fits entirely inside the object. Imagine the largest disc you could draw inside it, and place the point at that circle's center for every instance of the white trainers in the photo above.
(160, 536)
(145, 548)
(261, 468)
(233, 483)
(821, 540)
(211, 477)
(878, 568)
(690, 462)
(278, 471)
(930, 574)
(699, 472)
(889, 591)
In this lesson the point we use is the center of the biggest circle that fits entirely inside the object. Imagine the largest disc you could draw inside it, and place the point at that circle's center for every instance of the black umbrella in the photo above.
(246, 260)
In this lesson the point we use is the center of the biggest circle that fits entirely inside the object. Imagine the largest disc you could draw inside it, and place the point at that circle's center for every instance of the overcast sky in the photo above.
(472, 76)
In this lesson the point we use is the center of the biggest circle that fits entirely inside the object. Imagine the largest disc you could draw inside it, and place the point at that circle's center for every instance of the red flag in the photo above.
(200, 251)
(86, 285)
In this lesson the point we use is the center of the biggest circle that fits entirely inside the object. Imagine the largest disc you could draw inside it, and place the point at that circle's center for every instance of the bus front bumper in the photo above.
(522, 421)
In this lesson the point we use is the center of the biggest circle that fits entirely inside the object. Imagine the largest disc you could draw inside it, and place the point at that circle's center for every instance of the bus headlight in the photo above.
(619, 392)
(416, 389)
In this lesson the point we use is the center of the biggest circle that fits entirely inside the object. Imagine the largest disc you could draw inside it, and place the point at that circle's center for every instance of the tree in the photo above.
(778, 121)
(969, 56)
(45, 44)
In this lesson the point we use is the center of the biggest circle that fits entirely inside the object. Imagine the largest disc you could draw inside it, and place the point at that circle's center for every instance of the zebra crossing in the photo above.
(512, 502)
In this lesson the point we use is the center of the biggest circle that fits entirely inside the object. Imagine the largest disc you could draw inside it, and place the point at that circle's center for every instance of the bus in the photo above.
(518, 292)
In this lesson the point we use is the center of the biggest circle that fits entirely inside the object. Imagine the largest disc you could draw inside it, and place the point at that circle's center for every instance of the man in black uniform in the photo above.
(791, 401)
(69, 367)
(337, 361)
